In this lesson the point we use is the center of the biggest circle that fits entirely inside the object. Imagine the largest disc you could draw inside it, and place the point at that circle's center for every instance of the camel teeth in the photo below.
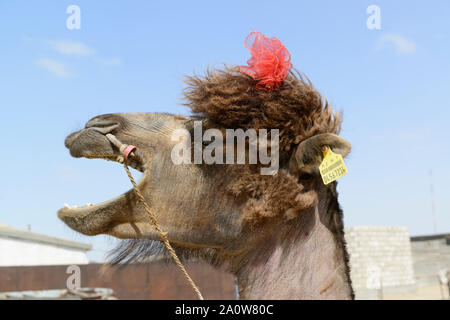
(78, 207)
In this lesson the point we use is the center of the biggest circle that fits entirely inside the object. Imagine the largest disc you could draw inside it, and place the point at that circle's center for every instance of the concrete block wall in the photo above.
(380, 259)
(430, 256)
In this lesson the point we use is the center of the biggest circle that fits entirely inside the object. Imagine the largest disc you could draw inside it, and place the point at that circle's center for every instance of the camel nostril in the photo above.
(104, 128)
(102, 121)
(102, 124)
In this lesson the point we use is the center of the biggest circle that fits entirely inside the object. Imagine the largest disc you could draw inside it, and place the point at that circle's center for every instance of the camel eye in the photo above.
(305, 177)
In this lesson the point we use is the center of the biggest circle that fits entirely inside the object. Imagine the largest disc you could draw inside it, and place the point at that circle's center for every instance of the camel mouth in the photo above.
(93, 219)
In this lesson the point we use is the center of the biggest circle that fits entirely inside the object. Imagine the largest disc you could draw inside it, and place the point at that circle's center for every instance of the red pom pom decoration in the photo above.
(270, 63)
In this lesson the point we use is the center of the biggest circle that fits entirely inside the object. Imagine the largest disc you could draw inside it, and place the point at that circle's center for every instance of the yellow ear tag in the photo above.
(332, 166)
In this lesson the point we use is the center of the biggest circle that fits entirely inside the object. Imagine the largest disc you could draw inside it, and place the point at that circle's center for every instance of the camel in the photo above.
(281, 234)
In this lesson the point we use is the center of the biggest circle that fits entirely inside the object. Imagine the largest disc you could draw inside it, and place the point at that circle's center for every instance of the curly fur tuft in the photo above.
(230, 99)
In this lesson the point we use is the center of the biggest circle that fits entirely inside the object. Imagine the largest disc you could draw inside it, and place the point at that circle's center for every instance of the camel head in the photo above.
(186, 199)
(214, 209)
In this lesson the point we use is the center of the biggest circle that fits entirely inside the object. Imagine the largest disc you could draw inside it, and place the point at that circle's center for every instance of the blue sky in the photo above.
(392, 85)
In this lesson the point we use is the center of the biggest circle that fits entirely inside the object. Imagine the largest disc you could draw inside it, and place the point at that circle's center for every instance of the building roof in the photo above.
(11, 232)
(431, 237)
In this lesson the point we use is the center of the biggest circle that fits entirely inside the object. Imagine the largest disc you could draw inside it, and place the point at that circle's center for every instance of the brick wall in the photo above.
(155, 280)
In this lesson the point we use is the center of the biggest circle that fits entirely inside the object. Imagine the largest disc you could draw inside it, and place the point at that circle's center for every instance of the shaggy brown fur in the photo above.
(267, 197)
(230, 99)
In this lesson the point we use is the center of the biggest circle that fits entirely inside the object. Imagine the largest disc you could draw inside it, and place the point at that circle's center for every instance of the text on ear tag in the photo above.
(332, 166)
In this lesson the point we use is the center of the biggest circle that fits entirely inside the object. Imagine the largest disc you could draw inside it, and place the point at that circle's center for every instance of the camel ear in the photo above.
(308, 155)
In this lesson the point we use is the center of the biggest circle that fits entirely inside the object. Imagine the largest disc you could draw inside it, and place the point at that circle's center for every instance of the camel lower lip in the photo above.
(82, 212)
(95, 219)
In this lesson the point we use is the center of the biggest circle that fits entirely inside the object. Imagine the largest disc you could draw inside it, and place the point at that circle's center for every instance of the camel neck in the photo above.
(305, 261)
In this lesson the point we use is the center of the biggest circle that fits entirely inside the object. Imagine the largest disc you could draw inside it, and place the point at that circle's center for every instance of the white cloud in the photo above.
(71, 48)
(401, 44)
(68, 48)
(57, 68)
(80, 49)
